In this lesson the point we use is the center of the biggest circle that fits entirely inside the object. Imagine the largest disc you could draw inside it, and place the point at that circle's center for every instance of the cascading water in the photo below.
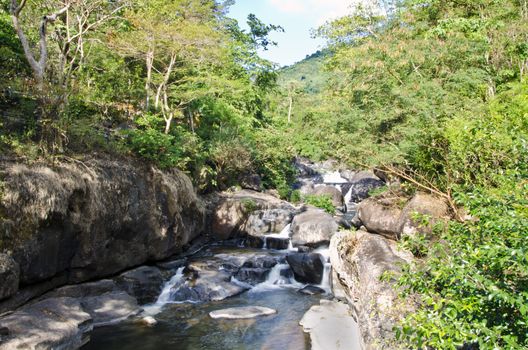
(165, 295)
(325, 283)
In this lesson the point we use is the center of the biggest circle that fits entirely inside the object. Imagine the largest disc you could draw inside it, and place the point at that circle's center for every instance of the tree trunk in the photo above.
(149, 64)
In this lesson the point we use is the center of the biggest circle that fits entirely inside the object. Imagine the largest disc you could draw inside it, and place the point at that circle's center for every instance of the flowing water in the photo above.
(189, 326)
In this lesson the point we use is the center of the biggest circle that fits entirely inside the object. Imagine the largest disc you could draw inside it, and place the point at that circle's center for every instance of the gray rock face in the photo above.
(359, 260)
(251, 182)
(362, 183)
(381, 216)
(331, 327)
(58, 323)
(307, 267)
(9, 276)
(110, 307)
(93, 219)
(311, 290)
(266, 221)
(337, 197)
(312, 228)
(237, 313)
(230, 213)
(144, 283)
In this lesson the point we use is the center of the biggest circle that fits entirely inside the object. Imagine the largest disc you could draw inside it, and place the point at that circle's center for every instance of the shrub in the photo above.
(321, 201)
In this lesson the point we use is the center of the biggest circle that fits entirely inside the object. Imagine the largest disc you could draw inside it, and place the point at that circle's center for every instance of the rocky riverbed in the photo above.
(224, 271)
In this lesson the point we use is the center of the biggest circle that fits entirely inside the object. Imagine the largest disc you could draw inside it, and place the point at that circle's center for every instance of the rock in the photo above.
(359, 259)
(205, 281)
(347, 174)
(424, 204)
(58, 323)
(362, 183)
(251, 182)
(172, 265)
(144, 283)
(149, 321)
(312, 228)
(94, 218)
(337, 197)
(312, 290)
(236, 313)
(84, 290)
(231, 211)
(307, 267)
(252, 276)
(331, 327)
(9, 275)
(262, 222)
(110, 307)
(381, 216)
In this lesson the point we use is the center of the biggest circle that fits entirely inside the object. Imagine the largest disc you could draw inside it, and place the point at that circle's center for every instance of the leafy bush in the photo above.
(321, 201)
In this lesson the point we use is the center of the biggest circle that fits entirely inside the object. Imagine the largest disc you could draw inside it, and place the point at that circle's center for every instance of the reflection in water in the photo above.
(188, 326)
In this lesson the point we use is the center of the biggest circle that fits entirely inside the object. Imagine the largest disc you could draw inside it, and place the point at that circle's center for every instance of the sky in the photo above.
(297, 17)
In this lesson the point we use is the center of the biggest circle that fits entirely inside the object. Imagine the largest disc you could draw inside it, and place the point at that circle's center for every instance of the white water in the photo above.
(325, 283)
(275, 280)
(284, 234)
(164, 297)
(334, 178)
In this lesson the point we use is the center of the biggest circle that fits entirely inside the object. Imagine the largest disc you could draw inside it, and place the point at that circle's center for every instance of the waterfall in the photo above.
(276, 280)
(165, 295)
(325, 283)
(285, 235)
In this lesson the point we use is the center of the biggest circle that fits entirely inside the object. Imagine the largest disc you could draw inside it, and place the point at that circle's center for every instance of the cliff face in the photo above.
(78, 221)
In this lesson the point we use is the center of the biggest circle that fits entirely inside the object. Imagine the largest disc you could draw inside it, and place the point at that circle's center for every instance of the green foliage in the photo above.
(321, 201)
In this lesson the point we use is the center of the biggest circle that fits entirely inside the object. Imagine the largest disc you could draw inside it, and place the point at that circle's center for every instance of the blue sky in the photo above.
(297, 17)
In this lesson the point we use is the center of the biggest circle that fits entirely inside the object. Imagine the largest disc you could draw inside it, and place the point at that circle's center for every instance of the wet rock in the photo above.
(359, 259)
(58, 323)
(252, 276)
(312, 290)
(172, 265)
(144, 283)
(331, 327)
(148, 321)
(277, 243)
(110, 308)
(242, 312)
(9, 276)
(362, 183)
(312, 228)
(307, 267)
(381, 216)
(206, 282)
(335, 195)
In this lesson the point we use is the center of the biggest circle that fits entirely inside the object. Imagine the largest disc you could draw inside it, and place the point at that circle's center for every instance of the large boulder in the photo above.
(229, 213)
(335, 195)
(262, 222)
(84, 220)
(144, 283)
(9, 276)
(313, 227)
(307, 267)
(110, 307)
(362, 183)
(359, 260)
(382, 216)
(428, 205)
(331, 327)
(57, 323)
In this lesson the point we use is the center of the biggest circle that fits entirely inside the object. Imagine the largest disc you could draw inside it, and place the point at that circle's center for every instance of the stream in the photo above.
(187, 324)
(221, 277)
